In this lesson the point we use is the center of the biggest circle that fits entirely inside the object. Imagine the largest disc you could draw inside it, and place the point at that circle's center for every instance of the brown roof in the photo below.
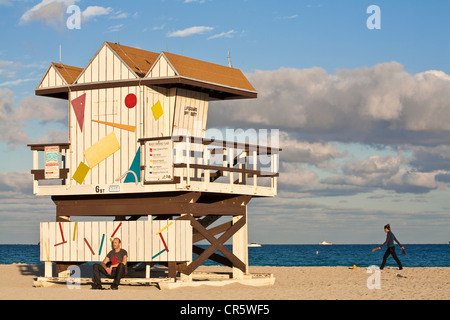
(69, 73)
(208, 72)
(138, 60)
(221, 81)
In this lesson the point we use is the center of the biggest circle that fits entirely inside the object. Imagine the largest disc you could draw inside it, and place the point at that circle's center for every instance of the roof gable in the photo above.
(69, 73)
(161, 68)
(115, 65)
(58, 74)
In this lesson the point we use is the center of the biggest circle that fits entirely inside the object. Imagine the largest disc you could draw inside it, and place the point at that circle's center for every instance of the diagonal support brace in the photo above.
(216, 244)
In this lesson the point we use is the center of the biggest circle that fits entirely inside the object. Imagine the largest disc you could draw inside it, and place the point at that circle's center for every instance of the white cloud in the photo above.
(319, 154)
(43, 109)
(228, 34)
(13, 120)
(294, 16)
(8, 68)
(5, 3)
(295, 175)
(94, 11)
(115, 28)
(16, 82)
(389, 173)
(381, 104)
(52, 12)
(190, 31)
(120, 15)
(11, 126)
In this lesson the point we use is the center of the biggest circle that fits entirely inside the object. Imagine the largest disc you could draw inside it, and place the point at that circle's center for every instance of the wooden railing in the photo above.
(216, 161)
(209, 164)
(42, 174)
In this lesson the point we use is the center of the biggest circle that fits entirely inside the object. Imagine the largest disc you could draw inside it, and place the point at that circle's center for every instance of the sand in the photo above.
(292, 283)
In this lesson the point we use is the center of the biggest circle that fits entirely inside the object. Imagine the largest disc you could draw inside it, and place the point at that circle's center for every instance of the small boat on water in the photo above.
(254, 245)
(325, 242)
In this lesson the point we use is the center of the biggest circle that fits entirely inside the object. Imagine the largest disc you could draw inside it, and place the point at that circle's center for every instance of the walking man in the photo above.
(117, 261)
(390, 238)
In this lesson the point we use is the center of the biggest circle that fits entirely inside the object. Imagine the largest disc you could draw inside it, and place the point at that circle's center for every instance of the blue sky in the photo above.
(362, 113)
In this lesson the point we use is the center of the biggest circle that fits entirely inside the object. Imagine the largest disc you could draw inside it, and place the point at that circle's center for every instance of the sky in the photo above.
(360, 97)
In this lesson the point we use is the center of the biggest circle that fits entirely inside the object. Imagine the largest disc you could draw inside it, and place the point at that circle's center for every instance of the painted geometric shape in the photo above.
(114, 233)
(164, 242)
(85, 240)
(135, 167)
(163, 250)
(126, 173)
(130, 100)
(159, 232)
(78, 105)
(81, 172)
(101, 245)
(101, 150)
(117, 125)
(157, 110)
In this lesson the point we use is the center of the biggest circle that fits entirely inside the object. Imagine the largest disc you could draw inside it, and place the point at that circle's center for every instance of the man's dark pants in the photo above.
(390, 250)
(116, 274)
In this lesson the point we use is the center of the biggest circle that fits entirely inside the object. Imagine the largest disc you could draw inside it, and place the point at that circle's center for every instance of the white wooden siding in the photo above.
(162, 68)
(184, 118)
(52, 79)
(139, 238)
(105, 105)
(163, 126)
(105, 66)
(184, 112)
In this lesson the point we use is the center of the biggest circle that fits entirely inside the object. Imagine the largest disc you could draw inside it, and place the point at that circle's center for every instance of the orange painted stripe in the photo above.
(118, 125)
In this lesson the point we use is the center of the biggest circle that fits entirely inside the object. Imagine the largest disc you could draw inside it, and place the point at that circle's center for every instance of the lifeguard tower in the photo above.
(137, 152)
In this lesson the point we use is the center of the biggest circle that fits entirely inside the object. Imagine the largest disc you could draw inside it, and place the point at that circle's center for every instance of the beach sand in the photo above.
(292, 283)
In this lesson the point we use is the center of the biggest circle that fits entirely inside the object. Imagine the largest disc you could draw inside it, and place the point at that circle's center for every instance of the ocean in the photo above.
(295, 255)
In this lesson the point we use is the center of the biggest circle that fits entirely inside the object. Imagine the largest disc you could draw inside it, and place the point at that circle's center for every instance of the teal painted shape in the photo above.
(135, 167)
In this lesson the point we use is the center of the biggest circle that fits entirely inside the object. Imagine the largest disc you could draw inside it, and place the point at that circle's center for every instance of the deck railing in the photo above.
(55, 162)
(212, 161)
(209, 164)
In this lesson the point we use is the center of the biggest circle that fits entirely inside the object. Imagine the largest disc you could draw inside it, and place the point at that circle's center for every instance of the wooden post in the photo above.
(48, 272)
(188, 162)
(35, 167)
(274, 167)
(255, 167)
(240, 247)
(206, 175)
(172, 272)
(230, 164)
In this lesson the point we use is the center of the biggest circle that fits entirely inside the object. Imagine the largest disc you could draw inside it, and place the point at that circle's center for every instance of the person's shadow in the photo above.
(36, 270)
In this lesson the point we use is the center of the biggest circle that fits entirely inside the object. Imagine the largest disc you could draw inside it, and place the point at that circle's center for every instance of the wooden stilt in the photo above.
(240, 249)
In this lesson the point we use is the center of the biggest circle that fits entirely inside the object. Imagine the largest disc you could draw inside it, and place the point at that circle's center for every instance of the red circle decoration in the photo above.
(130, 100)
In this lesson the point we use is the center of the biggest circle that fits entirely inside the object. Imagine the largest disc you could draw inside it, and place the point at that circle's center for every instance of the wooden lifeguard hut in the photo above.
(137, 148)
